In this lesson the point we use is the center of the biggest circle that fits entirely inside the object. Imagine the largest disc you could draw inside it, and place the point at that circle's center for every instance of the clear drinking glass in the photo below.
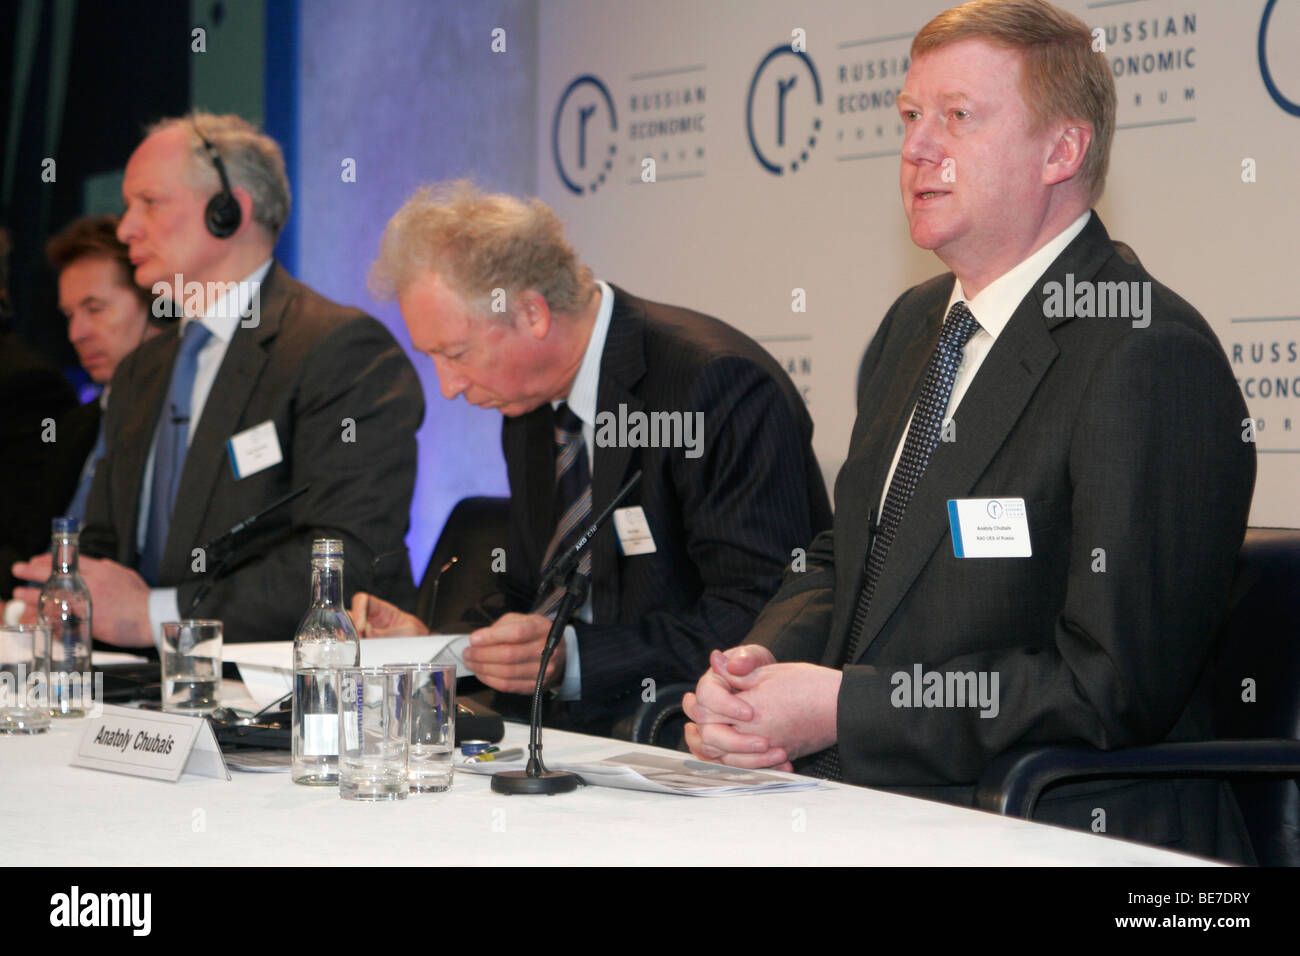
(374, 732)
(24, 679)
(191, 666)
(432, 702)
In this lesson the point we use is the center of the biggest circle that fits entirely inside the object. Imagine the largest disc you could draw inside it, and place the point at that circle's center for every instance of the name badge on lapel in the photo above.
(989, 528)
(633, 530)
(254, 450)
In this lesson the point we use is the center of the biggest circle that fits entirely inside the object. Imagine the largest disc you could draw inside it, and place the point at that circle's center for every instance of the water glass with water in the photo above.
(191, 667)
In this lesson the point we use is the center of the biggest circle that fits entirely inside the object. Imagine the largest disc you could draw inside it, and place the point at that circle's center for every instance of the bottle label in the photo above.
(320, 735)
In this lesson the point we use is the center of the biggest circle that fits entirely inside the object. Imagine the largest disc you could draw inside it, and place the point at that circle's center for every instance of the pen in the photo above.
(514, 753)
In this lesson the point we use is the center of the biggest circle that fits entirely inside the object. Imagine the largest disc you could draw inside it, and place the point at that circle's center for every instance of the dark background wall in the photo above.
(408, 89)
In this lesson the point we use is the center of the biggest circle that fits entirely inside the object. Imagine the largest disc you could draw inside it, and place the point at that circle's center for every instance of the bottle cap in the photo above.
(327, 548)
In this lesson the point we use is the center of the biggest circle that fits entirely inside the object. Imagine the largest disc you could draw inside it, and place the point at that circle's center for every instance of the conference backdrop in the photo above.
(742, 159)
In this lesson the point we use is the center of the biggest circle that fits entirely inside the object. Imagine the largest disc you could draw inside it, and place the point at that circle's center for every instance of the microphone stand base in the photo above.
(548, 782)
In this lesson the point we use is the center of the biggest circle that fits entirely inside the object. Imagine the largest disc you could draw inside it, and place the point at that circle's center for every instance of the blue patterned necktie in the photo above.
(169, 450)
(572, 496)
(77, 508)
(922, 439)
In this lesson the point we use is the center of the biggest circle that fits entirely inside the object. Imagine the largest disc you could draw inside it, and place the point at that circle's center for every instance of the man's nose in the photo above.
(126, 227)
(79, 327)
(449, 382)
(920, 145)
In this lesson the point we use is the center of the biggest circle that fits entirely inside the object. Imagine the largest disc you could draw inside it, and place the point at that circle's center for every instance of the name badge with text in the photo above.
(633, 530)
(147, 743)
(254, 450)
(989, 527)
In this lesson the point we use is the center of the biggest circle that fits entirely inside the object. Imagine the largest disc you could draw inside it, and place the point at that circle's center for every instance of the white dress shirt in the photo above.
(221, 319)
(992, 308)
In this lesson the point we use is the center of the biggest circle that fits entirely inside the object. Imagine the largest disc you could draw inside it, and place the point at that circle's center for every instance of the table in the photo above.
(59, 815)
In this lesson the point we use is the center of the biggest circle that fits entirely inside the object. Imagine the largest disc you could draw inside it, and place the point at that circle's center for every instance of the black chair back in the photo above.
(474, 530)
(1256, 683)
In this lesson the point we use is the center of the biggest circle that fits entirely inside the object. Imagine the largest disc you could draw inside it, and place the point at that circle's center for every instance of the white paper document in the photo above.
(266, 668)
(657, 773)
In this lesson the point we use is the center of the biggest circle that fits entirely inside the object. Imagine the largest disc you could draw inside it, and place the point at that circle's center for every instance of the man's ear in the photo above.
(245, 200)
(1067, 154)
(532, 314)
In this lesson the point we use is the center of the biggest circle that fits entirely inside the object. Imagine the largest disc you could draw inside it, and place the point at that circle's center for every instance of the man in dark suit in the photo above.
(1037, 522)
(108, 317)
(492, 292)
(264, 388)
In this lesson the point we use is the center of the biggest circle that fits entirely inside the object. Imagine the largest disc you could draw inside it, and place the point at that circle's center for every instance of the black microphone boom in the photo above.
(222, 543)
(562, 564)
(238, 529)
(563, 573)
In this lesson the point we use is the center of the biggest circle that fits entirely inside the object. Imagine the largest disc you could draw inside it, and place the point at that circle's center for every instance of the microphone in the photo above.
(437, 579)
(562, 564)
(224, 542)
(563, 573)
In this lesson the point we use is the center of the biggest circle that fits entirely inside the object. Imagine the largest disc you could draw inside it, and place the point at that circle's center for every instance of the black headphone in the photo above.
(223, 214)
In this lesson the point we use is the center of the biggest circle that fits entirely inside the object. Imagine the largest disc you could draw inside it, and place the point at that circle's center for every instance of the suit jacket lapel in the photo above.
(882, 417)
(240, 370)
(622, 366)
(990, 409)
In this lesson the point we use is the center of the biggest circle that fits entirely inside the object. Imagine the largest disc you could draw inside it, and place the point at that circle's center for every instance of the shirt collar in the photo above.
(225, 314)
(583, 394)
(997, 301)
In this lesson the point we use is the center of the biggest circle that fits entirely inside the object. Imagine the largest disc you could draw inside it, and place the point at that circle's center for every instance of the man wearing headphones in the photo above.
(265, 388)
(108, 317)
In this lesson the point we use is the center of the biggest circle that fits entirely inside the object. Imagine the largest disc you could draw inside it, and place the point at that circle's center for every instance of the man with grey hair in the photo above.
(264, 388)
(596, 384)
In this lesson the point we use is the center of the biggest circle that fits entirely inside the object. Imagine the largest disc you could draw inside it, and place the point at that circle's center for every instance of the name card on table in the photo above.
(147, 743)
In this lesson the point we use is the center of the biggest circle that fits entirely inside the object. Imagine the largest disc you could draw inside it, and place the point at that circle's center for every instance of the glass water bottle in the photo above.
(65, 608)
(326, 640)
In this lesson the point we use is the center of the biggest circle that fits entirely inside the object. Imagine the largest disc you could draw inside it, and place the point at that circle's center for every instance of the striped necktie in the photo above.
(922, 439)
(572, 496)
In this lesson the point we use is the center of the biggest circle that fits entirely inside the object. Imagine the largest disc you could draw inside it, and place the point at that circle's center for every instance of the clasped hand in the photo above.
(749, 711)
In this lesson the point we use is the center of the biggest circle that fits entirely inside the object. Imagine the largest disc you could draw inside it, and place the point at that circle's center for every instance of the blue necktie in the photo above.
(170, 447)
(922, 439)
(77, 509)
(572, 496)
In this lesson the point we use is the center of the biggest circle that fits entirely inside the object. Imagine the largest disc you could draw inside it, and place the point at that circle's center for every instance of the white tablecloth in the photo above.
(55, 814)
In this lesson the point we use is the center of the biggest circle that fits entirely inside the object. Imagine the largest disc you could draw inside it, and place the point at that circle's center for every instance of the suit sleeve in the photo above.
(745, 506)
(1161, 481)
(354, 419)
